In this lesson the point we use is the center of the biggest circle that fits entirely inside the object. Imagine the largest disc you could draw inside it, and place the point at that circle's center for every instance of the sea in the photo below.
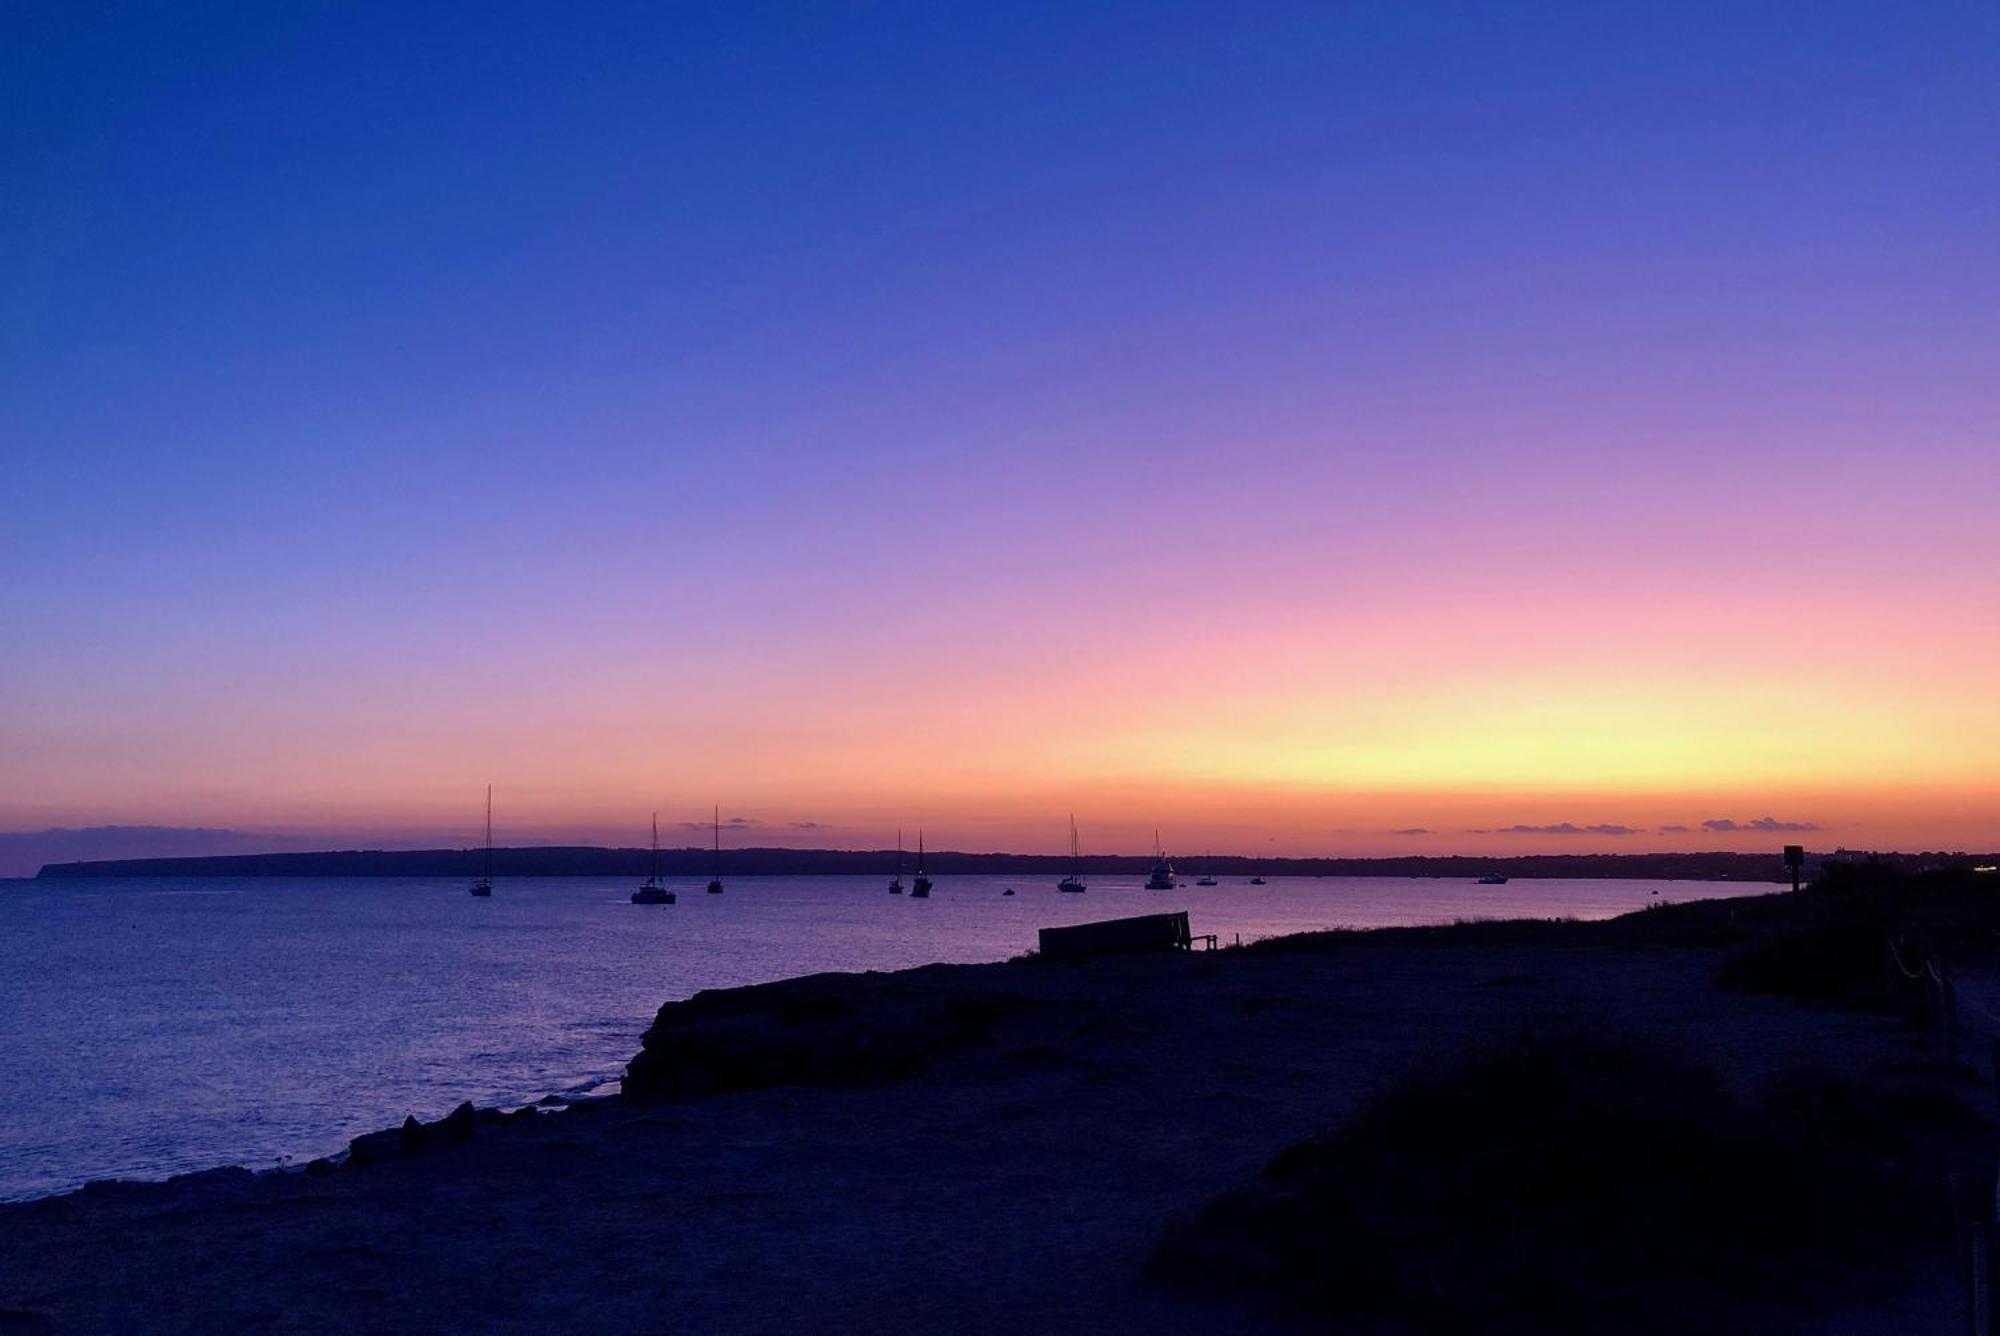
(160, 1026)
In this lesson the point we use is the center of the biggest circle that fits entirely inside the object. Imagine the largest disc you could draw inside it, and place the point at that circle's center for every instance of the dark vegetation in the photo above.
(1872, 936)
(1864, 934)
(1583, 1183)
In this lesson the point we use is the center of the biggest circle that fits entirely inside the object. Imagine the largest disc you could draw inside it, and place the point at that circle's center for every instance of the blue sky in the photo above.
(361, 365)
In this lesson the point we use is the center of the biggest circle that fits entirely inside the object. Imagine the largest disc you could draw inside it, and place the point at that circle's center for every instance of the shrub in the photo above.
(1567, 1183)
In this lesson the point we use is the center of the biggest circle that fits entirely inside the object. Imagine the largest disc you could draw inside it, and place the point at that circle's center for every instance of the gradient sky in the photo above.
(1289, 426)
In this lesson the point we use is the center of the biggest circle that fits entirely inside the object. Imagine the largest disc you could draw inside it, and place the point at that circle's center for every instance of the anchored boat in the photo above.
(483, 888)
(1162, 878)
(920, 888)
(654, 892)
(1073, 883)
(715, 882)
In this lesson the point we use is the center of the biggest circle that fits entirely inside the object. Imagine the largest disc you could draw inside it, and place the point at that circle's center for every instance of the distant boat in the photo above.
(920, 887)
(654, 892)
(1162, 878)
(1073, 883)
(896, 882)
(1207, 877)
(483, 888)
(715, 882)
(1494, 879)
(1008, 891)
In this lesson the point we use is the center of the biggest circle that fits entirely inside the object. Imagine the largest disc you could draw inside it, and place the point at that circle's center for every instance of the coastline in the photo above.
(987, 1147)
(361, 1016)
(593, 861)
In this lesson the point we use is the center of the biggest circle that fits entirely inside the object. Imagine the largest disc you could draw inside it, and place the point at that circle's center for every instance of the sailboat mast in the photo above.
(653, 868)
(488, 874)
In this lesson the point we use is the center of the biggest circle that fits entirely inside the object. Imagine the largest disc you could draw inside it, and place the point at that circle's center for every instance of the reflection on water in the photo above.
(154, 1027)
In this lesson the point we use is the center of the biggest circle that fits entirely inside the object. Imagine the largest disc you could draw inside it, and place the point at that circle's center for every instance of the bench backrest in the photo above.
(1142, 932)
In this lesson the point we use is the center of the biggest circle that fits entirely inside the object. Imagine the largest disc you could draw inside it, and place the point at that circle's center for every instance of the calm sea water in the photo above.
(154, 1027)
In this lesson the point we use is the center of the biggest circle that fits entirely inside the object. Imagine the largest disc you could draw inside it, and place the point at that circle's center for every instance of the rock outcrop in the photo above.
(824, 1029)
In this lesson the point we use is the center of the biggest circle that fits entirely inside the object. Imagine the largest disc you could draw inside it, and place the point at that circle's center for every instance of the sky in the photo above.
(1344, 428)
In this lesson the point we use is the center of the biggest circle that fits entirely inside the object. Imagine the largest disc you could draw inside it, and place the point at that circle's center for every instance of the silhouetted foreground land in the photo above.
(1717, 1116)
(596, 862)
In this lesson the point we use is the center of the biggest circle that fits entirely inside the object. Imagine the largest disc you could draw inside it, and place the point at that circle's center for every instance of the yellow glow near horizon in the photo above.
(1532, 734)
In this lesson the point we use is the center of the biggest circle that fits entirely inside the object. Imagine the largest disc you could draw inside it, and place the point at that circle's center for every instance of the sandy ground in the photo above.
(1013, 1187)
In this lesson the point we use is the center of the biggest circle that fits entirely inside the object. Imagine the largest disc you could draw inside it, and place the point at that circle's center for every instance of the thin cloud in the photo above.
(808, 825)
(1414, 830)
(730, 823)
(1676, 830)
(1724, 826)
(1560, 828)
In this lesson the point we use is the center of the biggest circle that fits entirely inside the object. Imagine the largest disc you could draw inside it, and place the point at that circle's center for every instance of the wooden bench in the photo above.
(1142, 932)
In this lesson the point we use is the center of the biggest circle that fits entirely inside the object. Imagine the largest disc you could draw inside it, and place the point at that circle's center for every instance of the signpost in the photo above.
(1795, 859)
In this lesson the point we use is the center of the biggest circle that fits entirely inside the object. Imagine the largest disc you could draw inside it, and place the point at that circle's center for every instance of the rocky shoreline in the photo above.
(979, 1147)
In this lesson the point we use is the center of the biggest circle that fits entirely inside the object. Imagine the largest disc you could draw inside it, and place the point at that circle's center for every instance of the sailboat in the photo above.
(715, 882)
(1074, 881)
(896, 882)
(1162, 878)
(483, 888)
(920, 888)
(654, 892)
(1257, 874)
(1208, 870)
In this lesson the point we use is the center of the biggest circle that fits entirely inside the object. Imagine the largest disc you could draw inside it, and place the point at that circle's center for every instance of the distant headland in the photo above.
(590, 861)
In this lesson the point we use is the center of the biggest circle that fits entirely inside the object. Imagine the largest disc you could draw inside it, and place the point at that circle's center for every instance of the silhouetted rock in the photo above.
(374, 1147)
(825, 1029)
(457, 1127)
